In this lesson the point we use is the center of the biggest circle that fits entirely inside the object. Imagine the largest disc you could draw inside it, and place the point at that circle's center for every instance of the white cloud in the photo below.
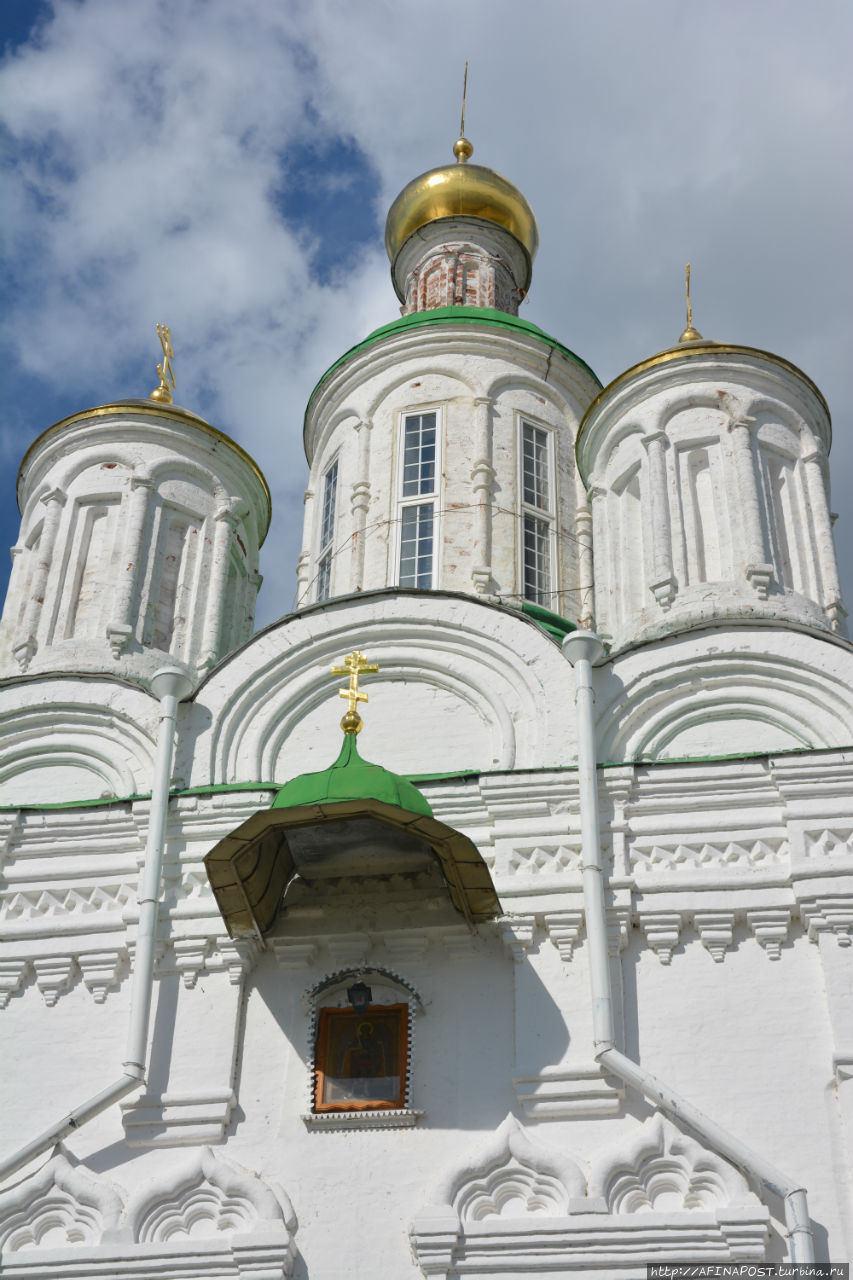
(152, 138)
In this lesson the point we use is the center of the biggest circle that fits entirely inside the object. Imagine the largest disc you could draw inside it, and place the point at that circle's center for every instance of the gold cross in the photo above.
(690, 334)
(165, 372)
(355, 664)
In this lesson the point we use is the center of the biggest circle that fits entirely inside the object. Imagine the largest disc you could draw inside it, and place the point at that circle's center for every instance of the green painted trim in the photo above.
(734, 755)
(454, 315)
(554, 623)
(217, 788)
(103, 802)
(414, 778)
(446, 777)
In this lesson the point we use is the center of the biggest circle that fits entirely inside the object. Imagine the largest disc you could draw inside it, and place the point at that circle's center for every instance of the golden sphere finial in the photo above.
(463, 150)
(352, 722)
(690, 335)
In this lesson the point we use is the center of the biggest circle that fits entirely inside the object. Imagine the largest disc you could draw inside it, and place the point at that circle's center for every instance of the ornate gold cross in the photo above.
(690, 334)
(165, 372)
(355, 665)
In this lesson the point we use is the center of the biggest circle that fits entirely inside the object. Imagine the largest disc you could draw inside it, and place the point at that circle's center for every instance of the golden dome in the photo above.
(460, 190)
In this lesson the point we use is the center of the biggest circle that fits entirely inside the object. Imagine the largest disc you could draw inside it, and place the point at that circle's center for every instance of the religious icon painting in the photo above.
(362, 1059)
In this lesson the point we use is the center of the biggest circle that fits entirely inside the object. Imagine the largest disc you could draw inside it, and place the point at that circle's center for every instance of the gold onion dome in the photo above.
(460, 190)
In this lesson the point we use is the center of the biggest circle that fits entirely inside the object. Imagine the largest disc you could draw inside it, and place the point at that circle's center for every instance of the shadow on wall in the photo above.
(464, 1039)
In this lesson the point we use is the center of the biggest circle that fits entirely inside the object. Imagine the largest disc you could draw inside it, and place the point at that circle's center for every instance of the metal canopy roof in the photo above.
(251, 868)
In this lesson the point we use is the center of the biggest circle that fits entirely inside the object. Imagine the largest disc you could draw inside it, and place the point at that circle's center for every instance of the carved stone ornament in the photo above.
(201, 1217)
(60, 1205)
(522, 1208)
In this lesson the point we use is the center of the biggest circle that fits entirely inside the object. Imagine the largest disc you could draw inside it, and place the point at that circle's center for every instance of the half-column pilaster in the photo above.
(26, 643)
(755, 564)
(482, 488)
(360, 502)
(814, 467)
(663, 586)
(138, 503)
(225, 522)
(303, 564)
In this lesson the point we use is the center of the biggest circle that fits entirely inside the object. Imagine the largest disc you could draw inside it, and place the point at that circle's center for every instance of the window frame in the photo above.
(325, 1022)
(546, 515)
(431, 499)
(325, 549)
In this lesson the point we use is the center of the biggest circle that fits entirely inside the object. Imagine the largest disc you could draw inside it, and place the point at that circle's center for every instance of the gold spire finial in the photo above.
(355, 664)
(690, 334)
(163, 393)
(464, 99)
(462, 148)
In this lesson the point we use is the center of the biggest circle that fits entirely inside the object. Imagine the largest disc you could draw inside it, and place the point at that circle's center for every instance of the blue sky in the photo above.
(226, 169)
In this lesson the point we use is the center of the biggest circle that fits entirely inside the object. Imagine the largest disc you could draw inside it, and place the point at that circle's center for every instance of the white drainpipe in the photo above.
(583, 649)
(170, 685)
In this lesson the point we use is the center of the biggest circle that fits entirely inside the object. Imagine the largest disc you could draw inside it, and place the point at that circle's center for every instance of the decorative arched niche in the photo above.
(69, 748)
(361, 1040)
(206, 1197)
(61, 1205)
(500, 1210)
(697, 697)
(202, 1217)
(521, 1207)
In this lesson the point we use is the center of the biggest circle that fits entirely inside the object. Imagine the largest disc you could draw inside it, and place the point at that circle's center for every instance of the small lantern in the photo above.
(359, 996)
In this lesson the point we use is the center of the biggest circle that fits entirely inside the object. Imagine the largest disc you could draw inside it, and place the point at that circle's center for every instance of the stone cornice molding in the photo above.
(79, 439)
(427, 349)
(678, 378)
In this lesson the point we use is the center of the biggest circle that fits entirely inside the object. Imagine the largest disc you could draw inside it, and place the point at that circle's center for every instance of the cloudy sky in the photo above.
(225, 167)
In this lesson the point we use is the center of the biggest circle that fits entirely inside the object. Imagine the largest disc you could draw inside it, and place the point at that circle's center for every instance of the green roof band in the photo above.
(553, 623)
(489, 316)
(457, 775)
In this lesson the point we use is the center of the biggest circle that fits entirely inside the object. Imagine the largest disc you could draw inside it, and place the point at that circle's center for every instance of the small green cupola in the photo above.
(351, 778)
(353, 819)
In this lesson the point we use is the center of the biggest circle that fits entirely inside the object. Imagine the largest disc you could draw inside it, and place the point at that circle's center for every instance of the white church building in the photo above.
(548, 972)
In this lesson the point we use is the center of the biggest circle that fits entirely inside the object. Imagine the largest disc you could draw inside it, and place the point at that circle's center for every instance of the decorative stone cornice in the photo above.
(517, 934)
(564, 929)
(715, 932)
(771, 929)
(662, 930)
(828, 914)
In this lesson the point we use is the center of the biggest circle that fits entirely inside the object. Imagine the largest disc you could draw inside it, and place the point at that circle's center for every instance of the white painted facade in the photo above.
(139, 538)
(694, 535)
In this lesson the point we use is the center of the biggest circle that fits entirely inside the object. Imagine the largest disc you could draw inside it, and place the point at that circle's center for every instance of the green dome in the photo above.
(351, 778)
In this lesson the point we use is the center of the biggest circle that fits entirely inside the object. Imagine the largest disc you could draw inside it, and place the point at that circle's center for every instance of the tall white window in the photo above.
(327, 532)
(537, 514)
(418, 523)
